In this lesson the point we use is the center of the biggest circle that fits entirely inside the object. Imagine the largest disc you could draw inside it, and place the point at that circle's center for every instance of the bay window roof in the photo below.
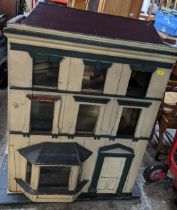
(48, 153)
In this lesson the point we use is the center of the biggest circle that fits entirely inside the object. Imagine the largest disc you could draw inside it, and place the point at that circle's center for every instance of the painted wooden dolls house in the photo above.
(84, 92)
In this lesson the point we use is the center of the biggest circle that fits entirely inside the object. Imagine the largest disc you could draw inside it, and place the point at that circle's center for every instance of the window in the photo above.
(138, 84)
(128, 121)
(28, 172)
(41, 115)
(45, 72)
(54, 177)
(94, 76)
(87, 118)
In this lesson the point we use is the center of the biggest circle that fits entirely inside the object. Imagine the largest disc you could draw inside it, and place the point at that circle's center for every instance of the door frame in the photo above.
(100, 160)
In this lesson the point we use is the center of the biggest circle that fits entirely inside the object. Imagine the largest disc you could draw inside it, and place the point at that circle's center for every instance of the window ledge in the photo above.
(41, 194)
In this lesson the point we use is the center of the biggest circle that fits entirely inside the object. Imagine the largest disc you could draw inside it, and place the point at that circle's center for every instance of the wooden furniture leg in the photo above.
(160, 142)
(168, 4)
(175, 4)
(150, 10)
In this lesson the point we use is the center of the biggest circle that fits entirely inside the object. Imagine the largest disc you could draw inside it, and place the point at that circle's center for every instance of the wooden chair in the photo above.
(167, 116)
(162, 3)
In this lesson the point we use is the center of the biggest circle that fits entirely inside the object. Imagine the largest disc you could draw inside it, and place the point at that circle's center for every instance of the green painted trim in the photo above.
(115, 146)
(91, 100)
(132, 137)
(109, 154)
(55, 90)
(124, 174)
(125, 136)
(142, 68)
(27, 188)
(96, 174)
(98, 65)
(100, 160)
(72, 136)
(43, 56)
(84, 41)
(127, 103)
(107, 196)
(87, 56)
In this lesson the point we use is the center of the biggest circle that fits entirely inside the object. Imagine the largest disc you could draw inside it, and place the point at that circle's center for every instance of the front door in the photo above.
(110, 175)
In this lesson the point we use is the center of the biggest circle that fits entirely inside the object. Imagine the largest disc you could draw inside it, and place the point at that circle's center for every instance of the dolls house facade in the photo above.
(83, 99)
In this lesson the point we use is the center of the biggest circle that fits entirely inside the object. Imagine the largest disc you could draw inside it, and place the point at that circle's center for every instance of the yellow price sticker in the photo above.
(160, 72)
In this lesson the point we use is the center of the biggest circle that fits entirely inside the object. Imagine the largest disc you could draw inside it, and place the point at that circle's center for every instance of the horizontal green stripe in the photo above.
(84, 41)
(128, 103)
(71, 136)
(54, 90)
(92, 100)
(89, 56)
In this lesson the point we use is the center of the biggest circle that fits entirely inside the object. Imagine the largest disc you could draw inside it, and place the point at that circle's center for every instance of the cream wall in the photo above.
(65, 111)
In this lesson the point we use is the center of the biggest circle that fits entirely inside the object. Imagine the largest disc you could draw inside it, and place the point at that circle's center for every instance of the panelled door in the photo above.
(110, 175)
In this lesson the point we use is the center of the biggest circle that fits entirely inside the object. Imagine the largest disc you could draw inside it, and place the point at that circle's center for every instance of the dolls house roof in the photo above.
(51, 16)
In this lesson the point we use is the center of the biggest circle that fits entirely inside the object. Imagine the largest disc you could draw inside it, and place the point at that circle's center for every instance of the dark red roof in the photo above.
(51, 16)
